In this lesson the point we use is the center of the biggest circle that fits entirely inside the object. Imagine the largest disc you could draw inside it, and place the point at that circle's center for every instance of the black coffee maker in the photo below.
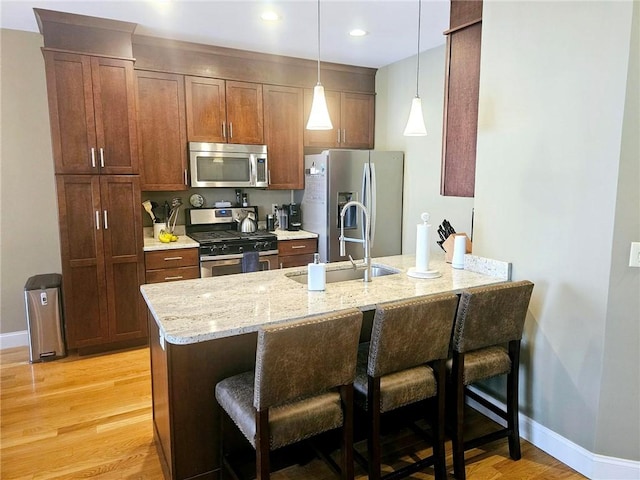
(295, 217)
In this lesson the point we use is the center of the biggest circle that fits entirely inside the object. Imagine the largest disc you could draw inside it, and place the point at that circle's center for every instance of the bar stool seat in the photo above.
(302, 386)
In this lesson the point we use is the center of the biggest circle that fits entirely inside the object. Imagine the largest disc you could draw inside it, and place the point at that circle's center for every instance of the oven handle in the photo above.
(216, 258)
(218, 262)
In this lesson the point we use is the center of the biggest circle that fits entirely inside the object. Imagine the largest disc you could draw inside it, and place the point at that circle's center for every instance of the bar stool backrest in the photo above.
(491, 315)
(411, 332)
(326, 345)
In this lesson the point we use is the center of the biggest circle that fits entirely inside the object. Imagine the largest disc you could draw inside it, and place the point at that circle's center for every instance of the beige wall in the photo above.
(553, 90)
(29, 241)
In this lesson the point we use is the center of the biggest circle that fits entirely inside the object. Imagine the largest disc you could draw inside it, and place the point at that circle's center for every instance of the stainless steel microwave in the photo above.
(228, 165)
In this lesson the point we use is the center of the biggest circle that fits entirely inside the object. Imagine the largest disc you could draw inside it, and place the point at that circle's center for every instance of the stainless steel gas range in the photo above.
(223, 249)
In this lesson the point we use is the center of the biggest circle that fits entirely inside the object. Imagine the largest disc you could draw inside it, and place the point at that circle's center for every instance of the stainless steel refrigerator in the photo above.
(334, 177)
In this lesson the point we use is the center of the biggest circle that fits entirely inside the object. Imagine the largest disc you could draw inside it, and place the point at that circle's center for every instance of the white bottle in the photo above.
(316, 274)
(459, 250)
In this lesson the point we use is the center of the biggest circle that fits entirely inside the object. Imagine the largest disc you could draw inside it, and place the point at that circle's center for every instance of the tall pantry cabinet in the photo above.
(95, 150)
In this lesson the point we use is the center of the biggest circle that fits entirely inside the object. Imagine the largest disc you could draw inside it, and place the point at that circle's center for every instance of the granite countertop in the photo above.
(191, 311)
(297, 235)
(151, 244)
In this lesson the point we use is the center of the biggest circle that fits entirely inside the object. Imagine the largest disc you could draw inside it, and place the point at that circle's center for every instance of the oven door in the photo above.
(214, 267)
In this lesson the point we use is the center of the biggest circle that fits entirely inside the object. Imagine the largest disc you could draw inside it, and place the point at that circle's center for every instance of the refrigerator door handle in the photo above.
(365, 196)
(373, 191)
(368, 199)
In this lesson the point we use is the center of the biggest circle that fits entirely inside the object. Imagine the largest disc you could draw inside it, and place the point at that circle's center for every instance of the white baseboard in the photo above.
(14, 339)
(591, 465)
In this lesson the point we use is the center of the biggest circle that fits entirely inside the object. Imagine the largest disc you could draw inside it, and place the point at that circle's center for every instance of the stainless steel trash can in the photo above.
(43, 303)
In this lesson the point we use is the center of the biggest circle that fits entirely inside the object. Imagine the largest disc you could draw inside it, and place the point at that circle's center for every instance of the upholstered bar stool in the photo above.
(302, 386)
(404, 363)
(488, 318)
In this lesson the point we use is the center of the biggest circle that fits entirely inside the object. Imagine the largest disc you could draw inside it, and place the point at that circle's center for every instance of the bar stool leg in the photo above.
(512, 401)
(440, 466)
(262, 447)
(346, 395)
(458, 435)
(373, 440)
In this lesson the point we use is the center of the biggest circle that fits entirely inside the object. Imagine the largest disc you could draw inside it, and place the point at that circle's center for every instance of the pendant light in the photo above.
(415, 125)
(319, 117)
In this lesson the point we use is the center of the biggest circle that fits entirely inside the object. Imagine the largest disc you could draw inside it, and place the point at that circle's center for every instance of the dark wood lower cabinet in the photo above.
(186, 416)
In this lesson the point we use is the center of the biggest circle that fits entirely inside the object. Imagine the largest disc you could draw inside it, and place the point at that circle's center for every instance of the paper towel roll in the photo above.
(422, 247)
(459, 250)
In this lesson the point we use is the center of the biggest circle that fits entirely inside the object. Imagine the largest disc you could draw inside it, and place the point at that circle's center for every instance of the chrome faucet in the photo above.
(366, 240)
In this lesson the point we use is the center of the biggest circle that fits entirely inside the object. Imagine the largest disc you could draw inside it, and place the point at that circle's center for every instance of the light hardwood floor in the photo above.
(90, 417)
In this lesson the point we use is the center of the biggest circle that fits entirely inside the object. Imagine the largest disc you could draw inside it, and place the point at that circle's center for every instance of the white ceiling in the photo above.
(392, 24)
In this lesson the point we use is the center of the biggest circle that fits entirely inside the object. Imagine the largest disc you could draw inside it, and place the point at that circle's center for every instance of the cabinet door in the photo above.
(206, 109)
(162, 131)
(115, 115)
(244, 113)
(123, 256)
(356, 120)
(283, 132)
(71, 114)
(460, 126)
(323, 138)
(83, 272)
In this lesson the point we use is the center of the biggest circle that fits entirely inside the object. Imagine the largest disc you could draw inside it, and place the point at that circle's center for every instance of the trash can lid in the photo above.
(46, 280)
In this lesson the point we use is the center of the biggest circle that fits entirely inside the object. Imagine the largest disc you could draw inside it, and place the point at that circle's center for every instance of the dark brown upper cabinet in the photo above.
(162, 129)
(92, 114)
(462, 81)
(283, 132)
(224, 111)
(352, 116)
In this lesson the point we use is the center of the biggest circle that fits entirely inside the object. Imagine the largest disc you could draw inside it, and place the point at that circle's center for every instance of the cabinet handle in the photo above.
(102, 157)
(106, 224)
(167, 259)
(97, 220)
(230, 129)
(298, 246)
(269, 177)
(185, 177)
(280, 265)
(224, 130)
(338, 135)
(93, 157)
(177, 277)
(344, 135)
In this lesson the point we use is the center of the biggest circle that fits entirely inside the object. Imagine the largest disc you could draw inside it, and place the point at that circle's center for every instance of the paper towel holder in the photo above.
(422, 250)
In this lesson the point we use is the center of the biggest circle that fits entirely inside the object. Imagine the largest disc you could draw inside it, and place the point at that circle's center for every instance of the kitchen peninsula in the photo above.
(204, 330)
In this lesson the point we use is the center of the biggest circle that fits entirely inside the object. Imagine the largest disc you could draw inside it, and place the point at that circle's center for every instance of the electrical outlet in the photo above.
(634, 255)
(274, 208)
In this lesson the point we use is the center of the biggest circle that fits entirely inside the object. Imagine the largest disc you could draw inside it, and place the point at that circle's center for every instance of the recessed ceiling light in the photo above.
(270, 16)
(358, 32)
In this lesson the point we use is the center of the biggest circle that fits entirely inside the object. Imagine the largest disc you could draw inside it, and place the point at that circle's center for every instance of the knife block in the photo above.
(448, 246)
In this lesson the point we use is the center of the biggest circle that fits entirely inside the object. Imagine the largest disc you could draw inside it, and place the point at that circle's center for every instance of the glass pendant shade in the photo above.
(415, 126)
(319, 117)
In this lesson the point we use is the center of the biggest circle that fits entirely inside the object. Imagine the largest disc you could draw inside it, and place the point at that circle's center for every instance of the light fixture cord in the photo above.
(418, 67)
(318, 42)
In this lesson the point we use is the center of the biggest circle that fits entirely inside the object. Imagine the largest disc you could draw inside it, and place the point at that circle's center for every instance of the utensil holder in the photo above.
(157, 227)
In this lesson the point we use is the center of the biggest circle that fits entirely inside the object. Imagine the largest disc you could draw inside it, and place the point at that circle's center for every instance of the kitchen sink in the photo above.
(348, 273)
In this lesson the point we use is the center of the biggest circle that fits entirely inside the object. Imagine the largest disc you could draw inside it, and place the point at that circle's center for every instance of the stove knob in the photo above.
(240, 249)
(257, 247)
(223, 248)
